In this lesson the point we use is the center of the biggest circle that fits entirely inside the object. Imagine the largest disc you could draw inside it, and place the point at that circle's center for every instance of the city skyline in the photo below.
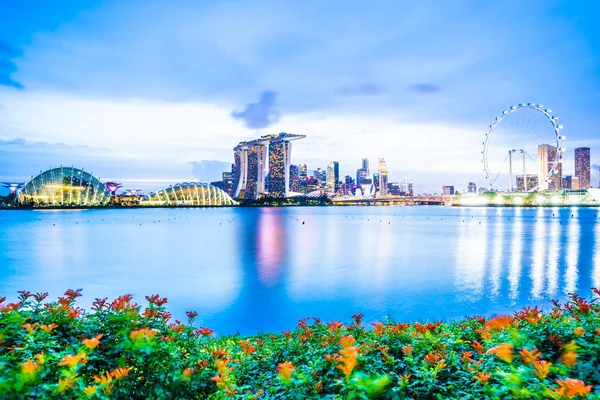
(147, 113)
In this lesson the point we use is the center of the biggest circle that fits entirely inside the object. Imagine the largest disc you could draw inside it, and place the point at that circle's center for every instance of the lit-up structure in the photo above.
(531, 123)
(254, 158)
(333, 177)
(383, 177)
(113, 187)
(188, 194)
(13, 186)
(64, 187)
(582, 167)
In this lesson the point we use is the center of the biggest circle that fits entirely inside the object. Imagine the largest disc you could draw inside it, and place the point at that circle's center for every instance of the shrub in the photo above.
(121, 350)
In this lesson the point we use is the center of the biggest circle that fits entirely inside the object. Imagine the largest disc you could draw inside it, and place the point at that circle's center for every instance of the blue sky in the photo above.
(152, 92)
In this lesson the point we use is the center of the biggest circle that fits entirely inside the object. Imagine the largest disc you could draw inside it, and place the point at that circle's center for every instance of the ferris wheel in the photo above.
(523, 150)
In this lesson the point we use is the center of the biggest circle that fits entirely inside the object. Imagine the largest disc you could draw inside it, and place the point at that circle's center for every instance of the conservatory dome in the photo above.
(63, 187)
(189, 194)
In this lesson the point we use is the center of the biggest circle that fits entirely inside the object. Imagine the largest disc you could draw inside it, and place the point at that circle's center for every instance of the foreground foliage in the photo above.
(121, 350)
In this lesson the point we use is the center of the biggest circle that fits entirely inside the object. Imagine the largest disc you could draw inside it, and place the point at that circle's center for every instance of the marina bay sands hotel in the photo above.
(253, 160)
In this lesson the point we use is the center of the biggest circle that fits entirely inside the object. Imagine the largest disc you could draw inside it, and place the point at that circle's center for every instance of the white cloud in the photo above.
(151, 134)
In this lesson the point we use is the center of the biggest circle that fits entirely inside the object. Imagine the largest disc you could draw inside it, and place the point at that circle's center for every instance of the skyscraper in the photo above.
(303, 177)
(365, 165)
(547, 165)
(294, 179)
(472, 187)
(333, 177)
(383, 177)
(406, 187)
(279, 168)
(250, 170)
(582, 167)
(376, 181)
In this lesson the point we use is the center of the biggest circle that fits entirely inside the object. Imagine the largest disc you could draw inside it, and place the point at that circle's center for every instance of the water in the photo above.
(248, 270)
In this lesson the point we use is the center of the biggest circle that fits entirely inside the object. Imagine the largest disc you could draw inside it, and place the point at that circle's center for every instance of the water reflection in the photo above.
(498, 254)
(538, 261)
(514, 268)
(596, 263)
(553, 254)
(270, 245)
(256, 270)
(573, 230)
(470, 260)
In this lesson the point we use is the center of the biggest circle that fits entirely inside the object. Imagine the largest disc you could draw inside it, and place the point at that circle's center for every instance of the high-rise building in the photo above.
(383, 177)
(376, 181)
(279, 168)
(333, 177)
(294, 179)
(320, 176)
(365, 165)
(582, 167)
(312, 184)
(303, 176)
(572, 182)
(532, 181)
(252, 160)
(448, 190)
(548, 164)
(406, 187)
(227, 182)
(472, 188)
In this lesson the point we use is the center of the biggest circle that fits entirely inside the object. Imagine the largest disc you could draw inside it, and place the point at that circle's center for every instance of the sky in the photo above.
(153, 92)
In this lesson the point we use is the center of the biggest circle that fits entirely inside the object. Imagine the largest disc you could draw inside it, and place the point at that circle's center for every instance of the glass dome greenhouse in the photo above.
(189, 194)
(64, 187)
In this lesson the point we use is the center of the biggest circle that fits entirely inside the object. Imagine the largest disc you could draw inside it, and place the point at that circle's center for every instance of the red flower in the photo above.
(191, 314)
(204, 331)
(358, 318)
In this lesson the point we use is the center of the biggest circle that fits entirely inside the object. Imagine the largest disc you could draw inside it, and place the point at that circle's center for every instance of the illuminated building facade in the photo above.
(294, 179)
(188, 194)
(303, 173)
(532, 181)
(64, 187)
(252, 160)
(362, 174)
(383, 177)
(333, 177)
(279, 168)
(376, 181)
(406, 187)
(582, 167)
(546, 157)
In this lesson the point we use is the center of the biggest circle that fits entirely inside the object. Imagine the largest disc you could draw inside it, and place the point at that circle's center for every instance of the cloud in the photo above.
(209, 170)
(27, 145)
(7, 67)
(361, 89)
(424, 88)
(261, 114)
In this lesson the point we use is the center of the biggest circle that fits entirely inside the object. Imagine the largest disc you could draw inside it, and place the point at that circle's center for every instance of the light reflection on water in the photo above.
(252, 270)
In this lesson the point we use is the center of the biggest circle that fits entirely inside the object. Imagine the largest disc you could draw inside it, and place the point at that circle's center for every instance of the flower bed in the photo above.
(123, 350)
